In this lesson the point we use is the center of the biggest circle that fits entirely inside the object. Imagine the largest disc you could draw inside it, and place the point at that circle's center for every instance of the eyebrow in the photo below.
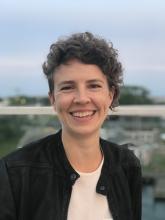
(66, 82)
(73, 82)
(95, 81)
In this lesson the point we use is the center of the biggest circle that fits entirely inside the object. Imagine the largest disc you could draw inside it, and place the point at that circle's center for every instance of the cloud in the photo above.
(126, 11)
(29, 27)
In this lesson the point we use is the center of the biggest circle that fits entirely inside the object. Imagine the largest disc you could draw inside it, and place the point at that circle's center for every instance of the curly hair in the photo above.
(88, 49)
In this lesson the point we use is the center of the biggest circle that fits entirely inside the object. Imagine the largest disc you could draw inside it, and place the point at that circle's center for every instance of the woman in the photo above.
(74, 174)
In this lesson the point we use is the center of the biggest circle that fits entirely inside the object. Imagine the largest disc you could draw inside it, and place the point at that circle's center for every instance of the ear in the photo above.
(111, 95)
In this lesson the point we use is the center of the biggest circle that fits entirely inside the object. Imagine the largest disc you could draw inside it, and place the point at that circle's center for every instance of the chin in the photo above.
(84, 131)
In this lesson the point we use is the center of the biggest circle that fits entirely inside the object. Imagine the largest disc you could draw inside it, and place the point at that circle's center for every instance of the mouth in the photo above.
(83, 114)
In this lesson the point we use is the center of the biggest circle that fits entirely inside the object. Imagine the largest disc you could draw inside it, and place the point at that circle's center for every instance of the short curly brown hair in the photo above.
(89, 49)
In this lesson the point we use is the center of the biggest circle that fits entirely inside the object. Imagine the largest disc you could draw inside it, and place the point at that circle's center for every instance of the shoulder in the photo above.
(38, 151)
(120, 154)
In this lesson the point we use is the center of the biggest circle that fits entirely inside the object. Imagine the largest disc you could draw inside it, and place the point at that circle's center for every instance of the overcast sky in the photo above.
(27, 28)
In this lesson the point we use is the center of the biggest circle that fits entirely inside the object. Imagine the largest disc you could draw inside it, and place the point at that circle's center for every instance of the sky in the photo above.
(29, 27)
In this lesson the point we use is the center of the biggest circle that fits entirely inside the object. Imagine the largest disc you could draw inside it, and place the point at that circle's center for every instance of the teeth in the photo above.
(82, 114)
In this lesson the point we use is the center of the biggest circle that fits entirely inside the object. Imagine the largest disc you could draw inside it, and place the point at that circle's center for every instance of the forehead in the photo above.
(75, 70)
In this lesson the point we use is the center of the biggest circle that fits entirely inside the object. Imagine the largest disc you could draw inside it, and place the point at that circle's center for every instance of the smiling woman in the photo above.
(74, 174)
(81, 100)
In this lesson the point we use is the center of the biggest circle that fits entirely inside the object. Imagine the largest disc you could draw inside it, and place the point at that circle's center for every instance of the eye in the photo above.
(66, 88)
(95, 86)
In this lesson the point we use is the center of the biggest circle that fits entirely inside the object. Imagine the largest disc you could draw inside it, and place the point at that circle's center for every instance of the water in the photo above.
(152, 210)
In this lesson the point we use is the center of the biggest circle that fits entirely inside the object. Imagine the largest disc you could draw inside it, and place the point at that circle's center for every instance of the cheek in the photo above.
(105, 100)
(107, 103)
(61, 103)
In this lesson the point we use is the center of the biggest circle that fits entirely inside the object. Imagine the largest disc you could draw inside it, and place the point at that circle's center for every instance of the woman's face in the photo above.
(81, 98)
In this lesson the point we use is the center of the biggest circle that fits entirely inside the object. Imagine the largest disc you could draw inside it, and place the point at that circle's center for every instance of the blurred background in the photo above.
(137, 30)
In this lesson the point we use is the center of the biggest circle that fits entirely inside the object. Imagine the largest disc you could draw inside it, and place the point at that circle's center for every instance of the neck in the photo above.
(83, 153)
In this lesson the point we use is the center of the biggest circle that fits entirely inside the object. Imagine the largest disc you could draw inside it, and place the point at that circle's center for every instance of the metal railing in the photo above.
(126, 110)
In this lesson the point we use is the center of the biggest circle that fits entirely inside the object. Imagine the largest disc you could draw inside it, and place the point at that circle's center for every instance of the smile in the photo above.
(82, 114)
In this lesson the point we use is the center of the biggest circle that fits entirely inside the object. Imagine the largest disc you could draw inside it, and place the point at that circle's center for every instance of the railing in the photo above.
(127, 110)
(133, 110)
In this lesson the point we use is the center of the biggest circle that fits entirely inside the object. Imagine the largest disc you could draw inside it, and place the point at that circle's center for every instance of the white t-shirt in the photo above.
(85, 202)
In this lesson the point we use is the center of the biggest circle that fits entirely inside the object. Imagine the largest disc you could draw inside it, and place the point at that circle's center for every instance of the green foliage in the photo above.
(157, 164)
(12, 128)
(8, 146)
(26, 100)
(134, 95)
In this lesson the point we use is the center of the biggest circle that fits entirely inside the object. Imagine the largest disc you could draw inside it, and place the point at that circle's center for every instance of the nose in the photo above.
(81, 97)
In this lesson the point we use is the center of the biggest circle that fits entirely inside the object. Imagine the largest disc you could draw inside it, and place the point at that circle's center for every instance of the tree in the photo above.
(134, 95)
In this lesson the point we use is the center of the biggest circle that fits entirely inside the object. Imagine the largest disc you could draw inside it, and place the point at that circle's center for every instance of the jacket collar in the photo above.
(110, 166)
(68, 170)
